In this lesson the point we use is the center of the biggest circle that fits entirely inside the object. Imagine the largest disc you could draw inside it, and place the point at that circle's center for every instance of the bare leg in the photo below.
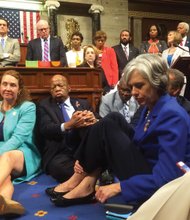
(70, 183)
(12, 162)
(85, 187)
(7, 188)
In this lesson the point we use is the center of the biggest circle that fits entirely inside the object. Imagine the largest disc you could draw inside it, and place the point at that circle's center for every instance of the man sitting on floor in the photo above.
(61, 123)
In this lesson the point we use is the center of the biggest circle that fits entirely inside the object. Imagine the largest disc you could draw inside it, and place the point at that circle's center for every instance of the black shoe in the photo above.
(106, 178)
(52, 193)
(61, 201)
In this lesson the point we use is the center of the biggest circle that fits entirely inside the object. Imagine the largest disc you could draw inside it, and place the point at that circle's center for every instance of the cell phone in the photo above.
(182, 166)
(113, 215)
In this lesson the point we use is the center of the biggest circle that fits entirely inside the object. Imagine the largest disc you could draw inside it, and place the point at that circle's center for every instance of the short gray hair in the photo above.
(186, 25)
(152, 67)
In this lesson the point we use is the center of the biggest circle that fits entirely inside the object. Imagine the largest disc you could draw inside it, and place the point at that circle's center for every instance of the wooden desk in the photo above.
(85, 82)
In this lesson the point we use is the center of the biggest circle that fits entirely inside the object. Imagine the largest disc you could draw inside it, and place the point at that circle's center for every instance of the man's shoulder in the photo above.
(118, 46)
(46, 101)
(34, 41)
(110, 96)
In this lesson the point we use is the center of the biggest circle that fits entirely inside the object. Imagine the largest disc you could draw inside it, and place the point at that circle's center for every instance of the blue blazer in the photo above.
(18, 135)
(163, 144)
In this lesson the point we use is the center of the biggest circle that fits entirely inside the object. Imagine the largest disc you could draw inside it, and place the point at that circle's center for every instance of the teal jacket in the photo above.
(18, 135)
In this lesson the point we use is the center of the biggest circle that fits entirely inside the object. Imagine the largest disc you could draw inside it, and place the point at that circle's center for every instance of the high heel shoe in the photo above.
(61, 201)
(10, 207)
(53, 194)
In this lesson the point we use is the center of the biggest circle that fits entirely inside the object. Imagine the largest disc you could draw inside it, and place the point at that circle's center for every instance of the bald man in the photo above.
(60, 133)
(55, 48)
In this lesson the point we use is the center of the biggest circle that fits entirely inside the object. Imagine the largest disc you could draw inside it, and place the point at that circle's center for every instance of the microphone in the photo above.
(176, 45)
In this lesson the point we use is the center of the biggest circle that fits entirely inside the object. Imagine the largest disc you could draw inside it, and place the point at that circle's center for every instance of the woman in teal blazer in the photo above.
(19, 156)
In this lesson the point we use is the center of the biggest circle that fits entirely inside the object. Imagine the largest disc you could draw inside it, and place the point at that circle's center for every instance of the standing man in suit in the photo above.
(125, 51)
(61, 124)
(183, 29)
(46, 47)
(9, 47)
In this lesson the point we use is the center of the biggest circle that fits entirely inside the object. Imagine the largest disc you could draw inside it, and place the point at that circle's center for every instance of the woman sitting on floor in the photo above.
(19, 157)
(143, 159)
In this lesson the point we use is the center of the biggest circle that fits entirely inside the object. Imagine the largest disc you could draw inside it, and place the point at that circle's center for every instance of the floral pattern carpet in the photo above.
(38, 206)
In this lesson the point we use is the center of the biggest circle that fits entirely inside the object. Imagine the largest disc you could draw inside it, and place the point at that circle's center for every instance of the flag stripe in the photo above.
(22, 23)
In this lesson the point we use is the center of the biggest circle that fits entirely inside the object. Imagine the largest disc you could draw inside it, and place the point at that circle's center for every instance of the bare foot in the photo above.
(70, 183)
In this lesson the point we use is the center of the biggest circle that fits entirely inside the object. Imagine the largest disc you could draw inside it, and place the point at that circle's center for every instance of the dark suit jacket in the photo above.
(187, 43)
(121, 57)
(57, 50)
(50, 138)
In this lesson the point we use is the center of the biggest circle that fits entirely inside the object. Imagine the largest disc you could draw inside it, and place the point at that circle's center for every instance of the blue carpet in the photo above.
(38, 206)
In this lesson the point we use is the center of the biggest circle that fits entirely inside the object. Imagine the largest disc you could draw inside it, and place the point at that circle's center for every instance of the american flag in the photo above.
(22, 24)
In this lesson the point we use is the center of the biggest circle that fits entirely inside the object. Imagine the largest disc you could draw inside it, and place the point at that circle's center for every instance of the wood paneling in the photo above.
(85, 82)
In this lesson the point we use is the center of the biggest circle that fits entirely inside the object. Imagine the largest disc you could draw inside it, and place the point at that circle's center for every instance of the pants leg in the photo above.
(108, 144)
(61, 167)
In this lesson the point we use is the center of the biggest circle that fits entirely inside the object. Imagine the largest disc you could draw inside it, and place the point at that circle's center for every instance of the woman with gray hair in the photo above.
(142, 159)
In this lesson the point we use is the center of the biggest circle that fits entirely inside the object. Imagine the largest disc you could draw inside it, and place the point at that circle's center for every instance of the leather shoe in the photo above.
(52, 193)
(10, 207)
(61, 201)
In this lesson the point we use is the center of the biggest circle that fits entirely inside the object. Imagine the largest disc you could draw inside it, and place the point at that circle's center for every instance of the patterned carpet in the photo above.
(38, 206)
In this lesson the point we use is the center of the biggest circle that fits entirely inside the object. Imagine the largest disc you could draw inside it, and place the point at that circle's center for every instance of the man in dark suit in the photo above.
(37, 49)
(59, 132)
(9, 47)
(125, 51)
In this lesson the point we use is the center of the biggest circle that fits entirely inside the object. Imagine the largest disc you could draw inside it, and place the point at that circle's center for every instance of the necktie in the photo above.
(126, 53)
(181, 44)
(46, 50)
(126, 112)
(64, 112)
(3, 42)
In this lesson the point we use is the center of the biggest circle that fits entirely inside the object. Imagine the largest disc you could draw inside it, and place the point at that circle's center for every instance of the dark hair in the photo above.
(99, 35)
(23, 95)
(158, 30)
(2, 18)
(77, 34)
(125, 30)
(177, 81)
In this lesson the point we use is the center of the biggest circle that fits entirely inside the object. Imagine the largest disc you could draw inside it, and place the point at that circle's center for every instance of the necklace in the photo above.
(147, 121)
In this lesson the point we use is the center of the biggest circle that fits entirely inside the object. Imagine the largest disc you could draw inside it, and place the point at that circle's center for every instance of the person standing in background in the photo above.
(173, 52)
(9, 47)
(75, 55)
(107, 58)
(125, 51)
(46, 47)
(153, 44)
(183, 29)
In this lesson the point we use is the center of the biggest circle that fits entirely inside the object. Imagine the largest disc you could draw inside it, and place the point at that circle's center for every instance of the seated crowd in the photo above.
(135, 135)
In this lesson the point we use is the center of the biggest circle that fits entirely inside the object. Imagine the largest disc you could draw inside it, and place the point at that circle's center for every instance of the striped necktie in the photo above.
(46, 50)
(126, 53)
